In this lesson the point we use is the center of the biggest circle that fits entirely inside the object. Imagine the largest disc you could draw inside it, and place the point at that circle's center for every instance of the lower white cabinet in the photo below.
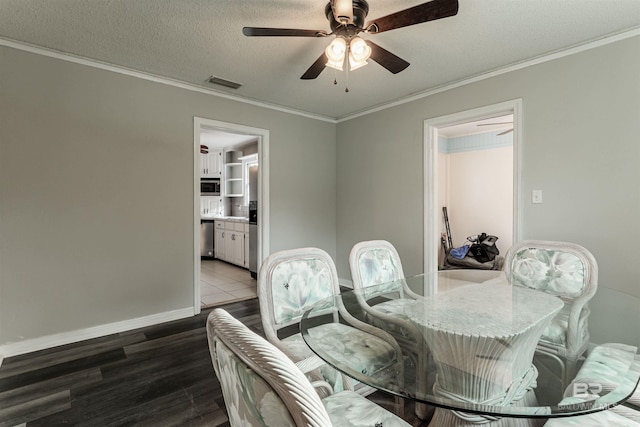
(231, 242)
(218, 240)
(246, 246)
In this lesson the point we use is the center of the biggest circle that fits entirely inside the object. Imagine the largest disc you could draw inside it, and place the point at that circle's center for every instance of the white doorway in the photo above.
(201, 126)
(433, 175)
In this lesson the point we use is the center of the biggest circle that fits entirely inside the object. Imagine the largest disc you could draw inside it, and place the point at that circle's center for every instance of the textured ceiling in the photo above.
(190, 40)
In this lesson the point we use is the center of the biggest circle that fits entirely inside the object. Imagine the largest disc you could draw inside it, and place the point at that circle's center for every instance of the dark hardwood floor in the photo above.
(156, 376)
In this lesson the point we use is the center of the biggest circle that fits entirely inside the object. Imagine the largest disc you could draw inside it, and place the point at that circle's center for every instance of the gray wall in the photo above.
(96, 198)
(96, 173)
(580, 146)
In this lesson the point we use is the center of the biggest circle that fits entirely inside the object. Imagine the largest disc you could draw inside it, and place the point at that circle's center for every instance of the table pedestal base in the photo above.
(447, 418)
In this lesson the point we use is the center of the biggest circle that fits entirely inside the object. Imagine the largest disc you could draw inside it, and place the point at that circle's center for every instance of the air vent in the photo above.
(222, 82)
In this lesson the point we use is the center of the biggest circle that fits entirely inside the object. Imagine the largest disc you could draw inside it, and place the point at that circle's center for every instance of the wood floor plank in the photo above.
(35, 409)
(56, 370)
(40, 389)
(156, 376)
(43, 359)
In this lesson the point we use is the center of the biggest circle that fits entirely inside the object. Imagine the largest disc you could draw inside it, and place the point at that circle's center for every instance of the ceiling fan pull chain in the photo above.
(346, 89)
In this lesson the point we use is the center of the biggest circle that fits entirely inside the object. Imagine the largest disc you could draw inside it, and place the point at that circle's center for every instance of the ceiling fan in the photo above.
(498, 123)
(347, 22)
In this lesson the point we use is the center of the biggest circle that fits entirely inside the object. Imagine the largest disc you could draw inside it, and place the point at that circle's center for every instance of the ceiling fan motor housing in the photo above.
(360, 11)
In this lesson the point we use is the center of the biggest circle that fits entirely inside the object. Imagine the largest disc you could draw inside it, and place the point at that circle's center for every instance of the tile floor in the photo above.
(221, 283)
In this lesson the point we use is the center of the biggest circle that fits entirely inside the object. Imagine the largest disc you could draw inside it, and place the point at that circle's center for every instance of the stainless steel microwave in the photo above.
(210, 186)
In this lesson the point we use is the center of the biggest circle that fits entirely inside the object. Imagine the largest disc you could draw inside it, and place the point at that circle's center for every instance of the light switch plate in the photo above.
(536, 196)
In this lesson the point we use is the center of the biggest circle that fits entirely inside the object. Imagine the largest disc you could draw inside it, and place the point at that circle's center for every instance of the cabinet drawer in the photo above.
(238, 226)
(246, 228)
(219, 225)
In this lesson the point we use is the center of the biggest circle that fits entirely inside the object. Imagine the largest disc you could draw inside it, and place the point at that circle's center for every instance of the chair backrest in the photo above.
(374, 262)
(290, 282)
(563, 269)
(261, 386)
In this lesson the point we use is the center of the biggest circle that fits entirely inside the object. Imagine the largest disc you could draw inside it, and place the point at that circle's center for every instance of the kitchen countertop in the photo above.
(224, 218)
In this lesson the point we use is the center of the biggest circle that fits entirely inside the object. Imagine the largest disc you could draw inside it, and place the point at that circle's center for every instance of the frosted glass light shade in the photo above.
(335, 53)
(359, 52)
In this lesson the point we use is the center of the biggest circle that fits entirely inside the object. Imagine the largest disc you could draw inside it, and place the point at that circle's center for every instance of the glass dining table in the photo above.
(477, 336)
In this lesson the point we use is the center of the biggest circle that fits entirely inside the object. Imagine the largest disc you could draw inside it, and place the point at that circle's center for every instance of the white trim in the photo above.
(431, 211)
(346, 283)
(430, 198)
(263, 193)
(49, 341)
(154, 78)
(171, 82)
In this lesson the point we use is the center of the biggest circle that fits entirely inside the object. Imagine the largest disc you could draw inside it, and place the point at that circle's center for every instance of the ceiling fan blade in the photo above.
(342, 11)
(281, 32)
(505, 132)
(316, 68)
(435, 9)
(388, 60)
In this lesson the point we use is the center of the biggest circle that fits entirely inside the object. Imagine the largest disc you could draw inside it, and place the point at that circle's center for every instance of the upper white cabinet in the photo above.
(211, 164)
(211, 206)
(233, 182)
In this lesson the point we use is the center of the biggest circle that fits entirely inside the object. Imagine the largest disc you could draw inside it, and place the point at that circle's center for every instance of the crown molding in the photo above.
(38, 50)
(400, 101)
(499, 71)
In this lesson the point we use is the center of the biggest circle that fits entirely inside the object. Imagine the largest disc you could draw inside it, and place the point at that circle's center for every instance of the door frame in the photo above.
(431, 209)
(263, 192)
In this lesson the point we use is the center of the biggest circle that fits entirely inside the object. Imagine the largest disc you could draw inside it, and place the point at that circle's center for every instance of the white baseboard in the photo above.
(346, 283)
(41, 343)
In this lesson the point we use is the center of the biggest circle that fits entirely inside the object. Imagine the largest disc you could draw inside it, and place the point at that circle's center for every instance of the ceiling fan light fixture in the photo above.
(343, 11)
(335, 53)
(359, 52)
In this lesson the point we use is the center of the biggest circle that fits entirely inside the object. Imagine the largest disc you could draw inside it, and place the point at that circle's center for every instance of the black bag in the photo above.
(484, 249)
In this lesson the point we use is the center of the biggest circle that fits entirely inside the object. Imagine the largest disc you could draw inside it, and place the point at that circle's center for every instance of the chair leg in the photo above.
(424, 411)
(570, 370)
(399, 405)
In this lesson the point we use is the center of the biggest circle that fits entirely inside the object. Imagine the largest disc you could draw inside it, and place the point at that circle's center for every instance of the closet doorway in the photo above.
(472, 168)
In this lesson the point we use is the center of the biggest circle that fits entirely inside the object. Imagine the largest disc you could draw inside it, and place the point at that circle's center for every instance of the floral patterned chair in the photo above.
(604, 366)
(374, 263)
(261, 386)
(289, 283)
(597, 419)
(604, 363)
(570, 272)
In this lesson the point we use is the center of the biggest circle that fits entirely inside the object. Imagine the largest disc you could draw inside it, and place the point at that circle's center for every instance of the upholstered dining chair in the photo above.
(597, 419)
(607, 366)
(261, 386)
(570, 272)
(374, 263)
(289, 283)
(603, 367)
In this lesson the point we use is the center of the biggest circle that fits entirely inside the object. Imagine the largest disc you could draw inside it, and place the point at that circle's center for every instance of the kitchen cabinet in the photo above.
(211, 206)
(246, 246)
(233, 182)
(236, 245)
(211, 164)
(218, 241)
(231, 242)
